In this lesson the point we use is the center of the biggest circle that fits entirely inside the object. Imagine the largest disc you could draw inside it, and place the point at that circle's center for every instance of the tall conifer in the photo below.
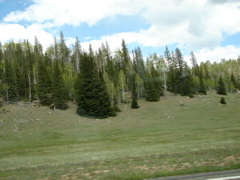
(233, 81)
(202, 85)
(9, 85)
(221, 89)
(1, 69)
(91, 92)
(153, 85)
(44, 89)
(59, 92)
(134, 104)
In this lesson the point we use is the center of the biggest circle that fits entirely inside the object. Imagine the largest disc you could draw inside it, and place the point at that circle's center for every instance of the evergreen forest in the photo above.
(99, 80)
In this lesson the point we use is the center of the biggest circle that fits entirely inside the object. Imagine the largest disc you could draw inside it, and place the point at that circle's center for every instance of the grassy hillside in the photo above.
(174, 136)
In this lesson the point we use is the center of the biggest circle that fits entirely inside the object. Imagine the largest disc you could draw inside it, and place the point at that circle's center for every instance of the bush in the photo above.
(116, 108)
(113, 112)
(222, 101)
(191, 96)
(1, 104)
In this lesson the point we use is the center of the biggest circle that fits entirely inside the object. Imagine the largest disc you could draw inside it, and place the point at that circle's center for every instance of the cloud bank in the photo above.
(196, 25)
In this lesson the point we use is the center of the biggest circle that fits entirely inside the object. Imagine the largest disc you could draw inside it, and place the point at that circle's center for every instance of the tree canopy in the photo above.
(99, 80)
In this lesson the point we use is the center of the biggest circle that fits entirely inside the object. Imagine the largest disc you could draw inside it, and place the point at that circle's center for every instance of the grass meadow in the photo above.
(174, 136)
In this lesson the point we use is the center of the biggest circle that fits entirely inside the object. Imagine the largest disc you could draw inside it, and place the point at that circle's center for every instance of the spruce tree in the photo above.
(9, 86)
(233, 81)
(30, 66)
(222, 101)
(63, 51)
(20, 76)
(202, 86)
(172, 75)
(44, 89)
(153, 85)
(221, 89)
(1, 60)
(187, 88)
(139, 63)
(127, 65)
(76, 52)
(91, 91)
(168, 58)
(59, 92)
(1, 69)
(134, 104)
(171, 80)
(195, 67)
(179, 60)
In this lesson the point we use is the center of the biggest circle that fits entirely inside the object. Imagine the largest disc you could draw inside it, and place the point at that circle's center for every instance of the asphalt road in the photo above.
(220, 175)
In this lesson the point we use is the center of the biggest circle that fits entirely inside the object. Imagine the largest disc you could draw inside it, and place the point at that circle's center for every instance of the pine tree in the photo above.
(153, 85)
(202, 86)
(134, 104)
(139, 63)
(9, 86)
(172, 75)
(221, 89)
(168, 57)
(127, 65)
(91, 92)
(1, 69)
(104, 109)
(125, 57)
(234, 82)
(29, 67)
(171, 80)
(44, 89)
(195, 72)
(76, 54)
(63, 51)
(195, 67)
(187, 88)
(69, 77)
(59, 92)
(222, 101)
(180, 61)
(180, 79)
(20, 75)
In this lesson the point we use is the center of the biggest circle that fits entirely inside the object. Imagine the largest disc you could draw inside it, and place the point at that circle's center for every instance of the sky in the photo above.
(209, 28)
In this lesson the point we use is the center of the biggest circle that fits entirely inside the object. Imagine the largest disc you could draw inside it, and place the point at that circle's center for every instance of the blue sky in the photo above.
(209, 28)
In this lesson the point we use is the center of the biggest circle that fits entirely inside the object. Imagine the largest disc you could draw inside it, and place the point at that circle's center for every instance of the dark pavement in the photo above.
(220, 175)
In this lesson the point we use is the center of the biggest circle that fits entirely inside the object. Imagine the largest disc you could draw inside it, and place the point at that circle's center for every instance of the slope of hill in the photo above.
(176, 135)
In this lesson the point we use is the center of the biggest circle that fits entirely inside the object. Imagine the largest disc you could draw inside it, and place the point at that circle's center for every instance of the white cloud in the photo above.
(192, 24)
(114, 41)
(195, 23)
(216, 54)
(16, 32)
(73, 12)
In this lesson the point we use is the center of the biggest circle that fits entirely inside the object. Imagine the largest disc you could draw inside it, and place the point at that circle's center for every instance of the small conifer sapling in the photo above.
(222, 101)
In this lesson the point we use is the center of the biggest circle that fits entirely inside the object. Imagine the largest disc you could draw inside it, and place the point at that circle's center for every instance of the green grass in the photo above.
(159, 139)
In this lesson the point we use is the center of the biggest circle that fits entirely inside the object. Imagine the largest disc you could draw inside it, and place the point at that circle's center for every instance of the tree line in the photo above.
(98, 81)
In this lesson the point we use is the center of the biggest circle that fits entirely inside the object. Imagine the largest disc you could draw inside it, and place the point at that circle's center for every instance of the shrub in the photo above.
(191, 96)
(222, 101)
